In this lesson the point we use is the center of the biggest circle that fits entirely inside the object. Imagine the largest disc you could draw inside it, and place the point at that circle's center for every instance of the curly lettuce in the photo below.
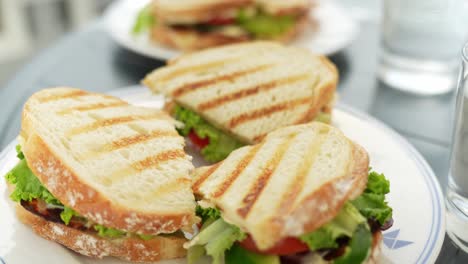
(220, 144)
(371, 203)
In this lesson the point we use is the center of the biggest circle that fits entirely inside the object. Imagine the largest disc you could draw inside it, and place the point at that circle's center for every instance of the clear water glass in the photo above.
(420, 44)
(457, 191)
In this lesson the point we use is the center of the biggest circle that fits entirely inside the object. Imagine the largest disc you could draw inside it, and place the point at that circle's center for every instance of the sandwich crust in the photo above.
(52, 158)
(91, 245)
(71, 190)
(189, 39)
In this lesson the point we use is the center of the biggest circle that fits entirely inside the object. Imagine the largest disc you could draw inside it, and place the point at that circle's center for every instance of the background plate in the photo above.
(335, 29)
(416, 236)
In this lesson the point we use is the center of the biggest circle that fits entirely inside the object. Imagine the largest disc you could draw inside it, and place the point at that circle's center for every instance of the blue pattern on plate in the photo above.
(391, 240)
(2, 260)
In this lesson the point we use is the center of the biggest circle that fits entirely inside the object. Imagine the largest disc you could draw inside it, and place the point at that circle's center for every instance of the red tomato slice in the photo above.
(197, 141)
(219, 21)
(287, 246)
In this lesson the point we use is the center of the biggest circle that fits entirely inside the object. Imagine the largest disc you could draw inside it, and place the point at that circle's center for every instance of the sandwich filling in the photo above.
(347, 238)
(34, 197)
(216, 145)
(251, 22)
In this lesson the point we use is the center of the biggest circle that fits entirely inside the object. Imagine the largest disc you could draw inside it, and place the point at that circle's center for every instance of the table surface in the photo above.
(90, 59)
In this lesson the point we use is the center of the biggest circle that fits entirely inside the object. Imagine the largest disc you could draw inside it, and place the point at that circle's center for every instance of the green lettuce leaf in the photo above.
(27, 185)
(108, 232)
(214, 239)
(67, 214)
(221, 144)
(358, 248)
(207, 214)
(343, 225)
(371, 203)
(144, 21)
(263, 25)
(238, 254)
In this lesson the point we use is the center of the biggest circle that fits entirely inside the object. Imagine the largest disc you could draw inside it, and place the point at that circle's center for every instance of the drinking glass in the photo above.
(457, 191)
(420, 43)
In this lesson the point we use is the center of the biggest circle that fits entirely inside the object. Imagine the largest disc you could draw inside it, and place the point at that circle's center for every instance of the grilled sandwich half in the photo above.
(234, 95)
(102, 177)
(304, 188)
(195, 24)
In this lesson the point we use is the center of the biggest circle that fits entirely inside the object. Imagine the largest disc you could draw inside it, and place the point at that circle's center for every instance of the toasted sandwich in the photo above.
(199, 24)
(304, 190)
(102, 177)
(234, 95)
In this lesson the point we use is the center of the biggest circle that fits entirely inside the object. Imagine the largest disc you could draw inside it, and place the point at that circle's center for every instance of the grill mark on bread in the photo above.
(192, 68)
(110, 122)
(145, 164)
(262, 112)
(66, 95)
(231, 76)
(84, 108)
(224, 186)
(140, 138)
(260, 183)
(297, 184)
(250, 91)
(205, 176)
(154, 161)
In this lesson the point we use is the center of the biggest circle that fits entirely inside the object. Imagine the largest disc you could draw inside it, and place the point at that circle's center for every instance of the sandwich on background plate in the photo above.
(303, 193)
(199, 24)
(234, 95)
(102, 177)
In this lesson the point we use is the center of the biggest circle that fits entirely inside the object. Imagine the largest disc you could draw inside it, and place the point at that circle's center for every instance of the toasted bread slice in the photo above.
(91, 245)
(249, 89)
(118, 165)
(291, 183)
(196, 11)
(190, 39)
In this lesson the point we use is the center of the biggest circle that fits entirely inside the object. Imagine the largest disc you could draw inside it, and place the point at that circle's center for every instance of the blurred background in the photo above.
(28, 26)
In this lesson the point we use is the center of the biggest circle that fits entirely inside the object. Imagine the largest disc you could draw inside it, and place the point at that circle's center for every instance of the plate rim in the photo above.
(437, 233)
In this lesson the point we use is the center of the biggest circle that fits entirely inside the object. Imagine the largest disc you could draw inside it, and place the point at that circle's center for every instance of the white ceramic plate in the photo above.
(336, 29)
(416, 236)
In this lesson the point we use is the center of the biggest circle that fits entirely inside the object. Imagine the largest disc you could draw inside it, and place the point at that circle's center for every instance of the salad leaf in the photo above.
(144, 21)
(67, 214)
(343, 225)
(371, 203)
(359, 247)
(207, 213)
(108, 232)
(238, 254)
(214, 239)
(221, 144)
(264, 25)
(27, 185)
